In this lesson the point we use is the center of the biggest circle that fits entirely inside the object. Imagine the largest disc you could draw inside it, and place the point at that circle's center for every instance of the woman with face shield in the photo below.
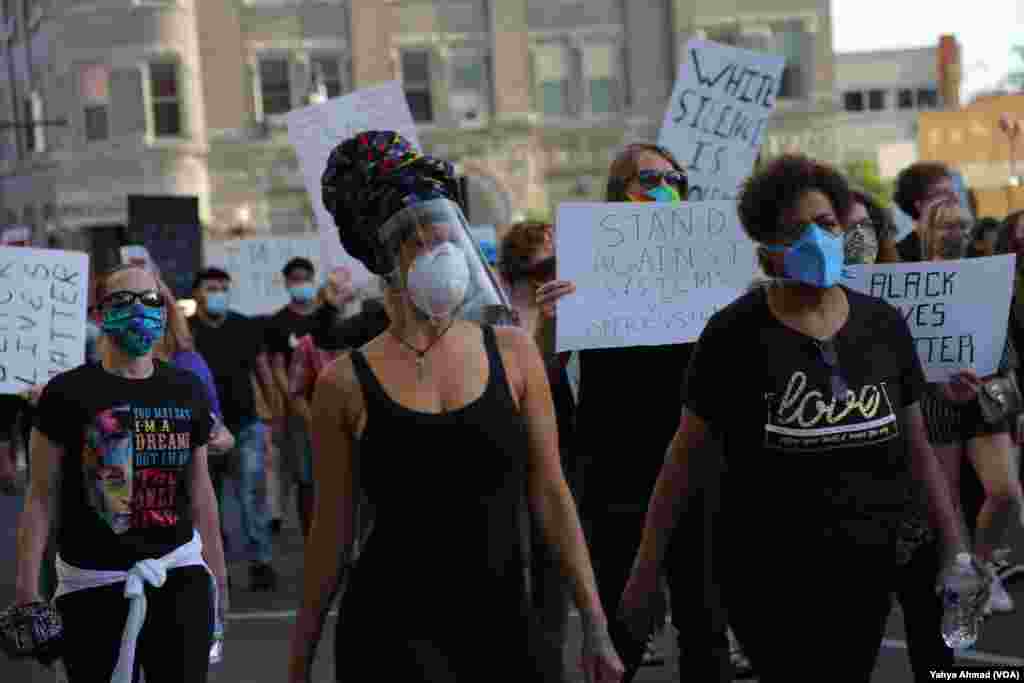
(442, 421)
(957, 427)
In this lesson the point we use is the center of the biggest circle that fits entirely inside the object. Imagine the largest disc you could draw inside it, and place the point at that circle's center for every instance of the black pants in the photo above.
(173, 647)
(697, 610)
(922, 612)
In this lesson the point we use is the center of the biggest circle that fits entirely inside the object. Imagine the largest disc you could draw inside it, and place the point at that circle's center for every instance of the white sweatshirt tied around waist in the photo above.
(152, 571)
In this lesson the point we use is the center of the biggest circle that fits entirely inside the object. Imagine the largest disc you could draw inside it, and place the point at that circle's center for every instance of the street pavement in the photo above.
(259, 629)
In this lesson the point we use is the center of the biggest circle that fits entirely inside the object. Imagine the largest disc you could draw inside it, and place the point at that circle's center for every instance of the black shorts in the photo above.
(950, 423)
(11, 405)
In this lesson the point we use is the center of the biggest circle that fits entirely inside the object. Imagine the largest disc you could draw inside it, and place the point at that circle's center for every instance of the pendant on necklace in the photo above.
(419, 367)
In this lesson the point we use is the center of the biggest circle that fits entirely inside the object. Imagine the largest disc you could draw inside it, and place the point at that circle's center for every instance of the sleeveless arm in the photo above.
(329, 548)
(550, 499)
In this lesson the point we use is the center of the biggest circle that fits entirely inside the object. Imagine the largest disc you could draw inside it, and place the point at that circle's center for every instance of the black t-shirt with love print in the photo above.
(128, 443)
(802, 467)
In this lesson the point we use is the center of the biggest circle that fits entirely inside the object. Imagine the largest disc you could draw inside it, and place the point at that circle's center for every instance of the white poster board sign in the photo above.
(647, 273)
(257, 285)
(44, 294)
(720, 107)
(316, 130)
(957, 310)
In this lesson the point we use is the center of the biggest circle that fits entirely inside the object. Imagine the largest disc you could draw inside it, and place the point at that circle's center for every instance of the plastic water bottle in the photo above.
(217, 646)
(961, 618)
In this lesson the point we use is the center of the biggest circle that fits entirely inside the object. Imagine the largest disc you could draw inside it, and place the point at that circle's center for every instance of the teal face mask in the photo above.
(815, 259)
(302, 294)
(135, 328)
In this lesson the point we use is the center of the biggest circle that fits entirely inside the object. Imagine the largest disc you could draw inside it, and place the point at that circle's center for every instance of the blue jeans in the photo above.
(251, 450)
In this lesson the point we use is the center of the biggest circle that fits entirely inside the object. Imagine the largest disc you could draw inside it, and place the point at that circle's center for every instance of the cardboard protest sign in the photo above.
(647, 273)
(43, 298)
(957, 310)
(720, 107)
(316, 130)
(257, 285)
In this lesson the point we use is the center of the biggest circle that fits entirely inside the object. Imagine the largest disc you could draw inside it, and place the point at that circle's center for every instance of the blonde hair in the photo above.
(177, 335)
(940, 215)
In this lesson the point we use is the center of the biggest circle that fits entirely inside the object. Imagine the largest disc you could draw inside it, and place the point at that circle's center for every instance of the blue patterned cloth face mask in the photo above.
(135, 328)
(302, 294)
(816, 259)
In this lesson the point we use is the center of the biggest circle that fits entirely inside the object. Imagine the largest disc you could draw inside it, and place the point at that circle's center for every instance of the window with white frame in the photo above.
(94, 87)
(416, 84)
(551, 78)
(329, 71)
(468, 85)
(165, 98)
(602, 85)
(275, 85)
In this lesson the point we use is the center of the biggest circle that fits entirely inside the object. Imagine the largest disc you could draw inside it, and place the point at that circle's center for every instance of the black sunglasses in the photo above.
(829, 356)
(150, 298)
(650, 179)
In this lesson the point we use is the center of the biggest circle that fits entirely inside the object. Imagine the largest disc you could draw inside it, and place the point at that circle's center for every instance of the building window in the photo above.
(853, 101)
(551, 71)
(906, 99)
(789, 38)
(416, 83)
(601, 80)
(94, 87)
(275, 86)
(876, 100)
(327, 72)
(165, 99)
(927, 98)
(469, 90)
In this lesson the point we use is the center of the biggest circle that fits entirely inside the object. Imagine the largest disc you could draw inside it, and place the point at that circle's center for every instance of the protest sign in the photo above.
(957, 310)
(647, 273)
(316, 130)
(43, 297)
(716, 119)
(136, 255)
(169, 228)
(257, 285)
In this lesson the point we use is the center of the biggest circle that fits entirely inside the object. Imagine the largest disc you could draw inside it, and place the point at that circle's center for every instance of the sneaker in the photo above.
(262, 577)
(652, 655)
(999, 600)
(1004, 567)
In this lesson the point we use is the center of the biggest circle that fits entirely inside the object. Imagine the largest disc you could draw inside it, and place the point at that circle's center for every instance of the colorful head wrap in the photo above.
(370, 178)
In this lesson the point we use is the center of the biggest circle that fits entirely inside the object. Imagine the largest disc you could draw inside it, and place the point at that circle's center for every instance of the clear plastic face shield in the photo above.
(441, 268)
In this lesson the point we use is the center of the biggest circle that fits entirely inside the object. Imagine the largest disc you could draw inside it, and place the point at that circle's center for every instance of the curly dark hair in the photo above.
(779, 185)
(370, 178)
(913, 182)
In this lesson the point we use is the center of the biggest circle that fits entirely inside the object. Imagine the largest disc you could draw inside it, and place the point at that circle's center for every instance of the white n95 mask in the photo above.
(438, 280)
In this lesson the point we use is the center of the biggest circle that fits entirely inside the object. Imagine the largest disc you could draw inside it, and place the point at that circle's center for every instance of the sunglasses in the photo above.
(828, 355)
(652, 179)
(150, 299)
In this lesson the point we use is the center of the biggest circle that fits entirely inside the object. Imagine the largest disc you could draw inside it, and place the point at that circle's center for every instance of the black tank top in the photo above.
(446, 489)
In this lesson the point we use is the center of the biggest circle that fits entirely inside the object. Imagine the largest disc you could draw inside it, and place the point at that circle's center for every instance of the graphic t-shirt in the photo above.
(284, 330)
(124, 475)
(804, 468)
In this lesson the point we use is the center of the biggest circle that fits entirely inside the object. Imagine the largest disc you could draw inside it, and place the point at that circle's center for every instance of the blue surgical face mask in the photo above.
(302, 294)
(815, 259)
(217, 303)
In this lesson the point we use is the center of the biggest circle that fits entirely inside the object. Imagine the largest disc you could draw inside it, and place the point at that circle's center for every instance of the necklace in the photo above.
(421, 354)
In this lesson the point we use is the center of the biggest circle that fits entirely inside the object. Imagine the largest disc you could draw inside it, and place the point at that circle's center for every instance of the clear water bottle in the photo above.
(961, 617)
(217, 646)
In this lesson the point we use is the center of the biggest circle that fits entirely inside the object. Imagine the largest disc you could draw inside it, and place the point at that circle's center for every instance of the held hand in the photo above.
(600, 662)
(549, 293)
(643, 605)
(962, 387)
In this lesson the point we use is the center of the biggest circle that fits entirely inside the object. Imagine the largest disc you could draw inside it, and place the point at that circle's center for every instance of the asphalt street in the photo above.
(256, 649)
